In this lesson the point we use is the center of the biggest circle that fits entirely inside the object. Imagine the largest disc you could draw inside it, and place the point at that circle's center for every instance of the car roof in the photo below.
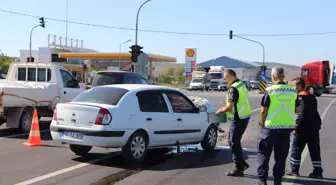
(138, 87)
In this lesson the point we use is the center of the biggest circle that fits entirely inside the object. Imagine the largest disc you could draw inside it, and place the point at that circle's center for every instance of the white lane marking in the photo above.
(18, 135)
(305, 151)
(255, 110)
(65, 170)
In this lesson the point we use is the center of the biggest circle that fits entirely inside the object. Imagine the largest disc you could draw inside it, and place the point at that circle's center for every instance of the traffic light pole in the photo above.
(136, 29)
(30, 42)
(263, 63)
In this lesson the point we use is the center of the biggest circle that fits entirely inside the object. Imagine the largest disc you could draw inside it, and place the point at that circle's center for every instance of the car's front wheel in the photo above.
(210, 139)
(136, 148)
(80, 150)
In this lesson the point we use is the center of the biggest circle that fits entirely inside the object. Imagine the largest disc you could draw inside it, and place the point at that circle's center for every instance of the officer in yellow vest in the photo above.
(277, 120)
(238, 111)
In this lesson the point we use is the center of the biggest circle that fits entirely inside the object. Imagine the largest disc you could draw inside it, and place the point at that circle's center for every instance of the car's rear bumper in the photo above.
(99, 138)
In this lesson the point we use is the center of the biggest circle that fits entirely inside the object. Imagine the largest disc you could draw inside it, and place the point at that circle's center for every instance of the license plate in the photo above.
(72, 135)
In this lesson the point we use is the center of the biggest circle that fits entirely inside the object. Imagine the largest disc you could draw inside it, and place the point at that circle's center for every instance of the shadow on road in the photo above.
(166, 159)
(301, 180)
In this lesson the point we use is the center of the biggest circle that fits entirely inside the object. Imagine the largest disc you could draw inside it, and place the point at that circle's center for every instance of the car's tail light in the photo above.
(104, 117)
(55, 113)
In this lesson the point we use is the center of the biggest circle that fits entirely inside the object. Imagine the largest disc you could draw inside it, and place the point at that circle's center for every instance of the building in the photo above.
(244, 70)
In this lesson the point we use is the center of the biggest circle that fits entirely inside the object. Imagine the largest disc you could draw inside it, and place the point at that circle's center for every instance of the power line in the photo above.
(173, 32)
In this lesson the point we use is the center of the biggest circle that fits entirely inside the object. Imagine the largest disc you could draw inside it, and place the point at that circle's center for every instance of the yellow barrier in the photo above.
(262, 86)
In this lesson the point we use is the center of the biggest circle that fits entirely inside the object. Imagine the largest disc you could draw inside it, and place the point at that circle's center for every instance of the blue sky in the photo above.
(210, 16)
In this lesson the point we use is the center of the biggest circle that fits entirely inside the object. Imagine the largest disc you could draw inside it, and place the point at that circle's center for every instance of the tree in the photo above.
(178, 74)
(200, 68)
(5, 61)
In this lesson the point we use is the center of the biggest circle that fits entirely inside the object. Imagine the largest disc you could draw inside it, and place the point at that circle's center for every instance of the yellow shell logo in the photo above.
(190, 52)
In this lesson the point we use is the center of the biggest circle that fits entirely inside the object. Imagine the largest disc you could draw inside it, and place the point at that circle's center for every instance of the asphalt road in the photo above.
(54, 163)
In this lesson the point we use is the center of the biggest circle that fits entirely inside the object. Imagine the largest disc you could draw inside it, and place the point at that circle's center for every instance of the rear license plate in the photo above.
(72, 135)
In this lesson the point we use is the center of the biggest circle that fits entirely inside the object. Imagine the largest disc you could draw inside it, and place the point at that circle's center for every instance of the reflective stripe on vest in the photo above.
(281, 113)
(243, 104)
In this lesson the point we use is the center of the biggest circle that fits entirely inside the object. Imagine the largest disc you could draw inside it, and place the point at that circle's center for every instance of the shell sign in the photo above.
(190, 53)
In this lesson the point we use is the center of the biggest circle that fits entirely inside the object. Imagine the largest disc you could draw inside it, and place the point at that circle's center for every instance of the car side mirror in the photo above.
(202, 108)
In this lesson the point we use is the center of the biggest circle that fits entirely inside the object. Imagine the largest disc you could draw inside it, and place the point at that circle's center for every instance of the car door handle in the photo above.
(149, 119)
(179, 119)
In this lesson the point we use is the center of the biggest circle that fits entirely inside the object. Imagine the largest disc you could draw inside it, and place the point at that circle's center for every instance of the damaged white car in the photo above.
(134, 118)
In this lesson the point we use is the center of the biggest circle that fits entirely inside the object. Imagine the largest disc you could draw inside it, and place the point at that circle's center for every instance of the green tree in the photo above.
(178, 75)
(5, 61)
(200, 68)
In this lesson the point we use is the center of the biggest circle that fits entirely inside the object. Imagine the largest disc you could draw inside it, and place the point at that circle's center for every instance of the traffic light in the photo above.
(263, 68)
(230, 35)
(42, 23)
(135, 51)
(31, 60)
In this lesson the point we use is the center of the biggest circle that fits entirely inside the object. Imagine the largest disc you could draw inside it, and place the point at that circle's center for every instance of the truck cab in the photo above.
(316, 75)
(217, 78)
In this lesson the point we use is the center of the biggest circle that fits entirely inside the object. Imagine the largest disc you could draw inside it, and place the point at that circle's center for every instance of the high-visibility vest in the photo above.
(281, 112)
(243, 103)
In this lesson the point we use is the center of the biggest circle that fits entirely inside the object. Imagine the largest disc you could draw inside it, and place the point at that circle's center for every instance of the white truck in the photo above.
(216, 74)
(200, 81)
(34, 85)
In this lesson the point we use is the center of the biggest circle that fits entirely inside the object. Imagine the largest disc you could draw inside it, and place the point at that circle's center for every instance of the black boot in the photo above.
(235, 173)
(315, 175)
(293, 173)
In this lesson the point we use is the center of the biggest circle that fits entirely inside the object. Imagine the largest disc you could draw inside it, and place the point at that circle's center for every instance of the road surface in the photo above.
(54, 163)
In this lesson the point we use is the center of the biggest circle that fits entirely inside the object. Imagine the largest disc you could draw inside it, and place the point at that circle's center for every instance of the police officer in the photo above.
(308, 125)
(238, 111)
(277, 120)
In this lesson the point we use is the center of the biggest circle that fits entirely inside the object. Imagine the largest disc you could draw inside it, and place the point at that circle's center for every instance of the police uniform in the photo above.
(307, 129)
(238, 119)
(281, 100)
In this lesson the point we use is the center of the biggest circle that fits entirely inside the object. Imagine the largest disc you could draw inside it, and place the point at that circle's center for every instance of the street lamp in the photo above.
(42, 24)
(129, 40)
(263, 63)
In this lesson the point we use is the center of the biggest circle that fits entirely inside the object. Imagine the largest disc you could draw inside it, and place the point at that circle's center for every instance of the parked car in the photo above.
(223, 86)
(134, 118)
(247, 84)
(117, 77)
(2, 76)
(254, 85)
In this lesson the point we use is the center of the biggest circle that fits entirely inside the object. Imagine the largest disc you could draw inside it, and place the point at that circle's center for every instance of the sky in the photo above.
(244, 17)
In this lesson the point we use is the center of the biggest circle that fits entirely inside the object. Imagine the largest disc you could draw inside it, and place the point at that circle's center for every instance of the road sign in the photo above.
(262, 77)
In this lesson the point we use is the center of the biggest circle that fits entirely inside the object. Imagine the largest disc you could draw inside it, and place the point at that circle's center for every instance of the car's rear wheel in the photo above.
(210, 139)
(135, 149)
(80, 149)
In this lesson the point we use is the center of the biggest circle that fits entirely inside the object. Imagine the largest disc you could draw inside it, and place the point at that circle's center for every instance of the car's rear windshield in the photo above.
(108, 78)
(103, 95)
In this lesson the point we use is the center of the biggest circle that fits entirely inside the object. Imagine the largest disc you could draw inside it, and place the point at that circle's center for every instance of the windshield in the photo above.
(197, 81)
(103, 95)
(107, 79)
(216, 75)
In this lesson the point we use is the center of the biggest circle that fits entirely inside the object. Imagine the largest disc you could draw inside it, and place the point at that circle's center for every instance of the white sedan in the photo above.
(134, 118)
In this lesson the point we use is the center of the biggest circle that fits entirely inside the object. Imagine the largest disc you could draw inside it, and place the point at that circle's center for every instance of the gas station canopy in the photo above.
(113, 56)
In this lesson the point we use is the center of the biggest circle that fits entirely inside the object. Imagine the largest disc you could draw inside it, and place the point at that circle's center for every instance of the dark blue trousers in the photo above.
(312, 139)
(269, 140)
(237, 129)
